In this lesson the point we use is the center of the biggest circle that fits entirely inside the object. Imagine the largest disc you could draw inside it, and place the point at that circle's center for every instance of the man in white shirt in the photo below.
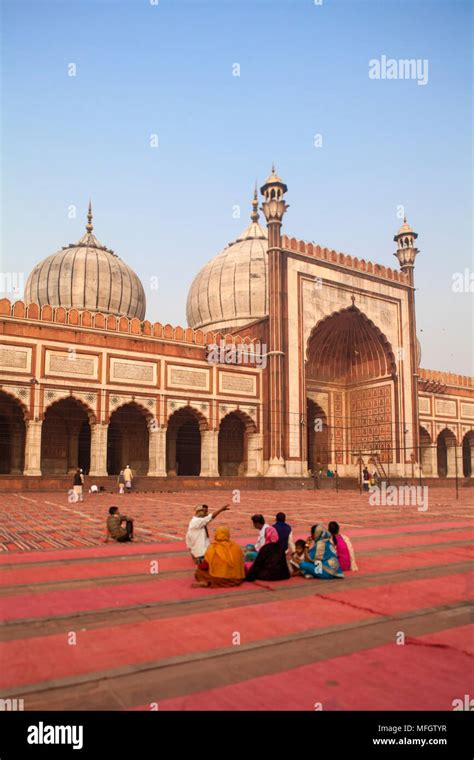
(197, 537)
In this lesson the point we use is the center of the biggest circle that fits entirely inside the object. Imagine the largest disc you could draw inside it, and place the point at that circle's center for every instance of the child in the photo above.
(297, 557)
(345, 552)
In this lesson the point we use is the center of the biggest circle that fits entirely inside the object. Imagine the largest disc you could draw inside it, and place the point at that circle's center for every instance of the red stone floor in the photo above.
(88, 625)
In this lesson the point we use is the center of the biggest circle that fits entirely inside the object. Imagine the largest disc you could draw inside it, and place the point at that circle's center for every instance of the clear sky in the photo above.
(167, 69)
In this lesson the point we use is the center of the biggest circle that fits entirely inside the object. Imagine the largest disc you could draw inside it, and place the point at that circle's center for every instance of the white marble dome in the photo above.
(87, 275)
(231, 290)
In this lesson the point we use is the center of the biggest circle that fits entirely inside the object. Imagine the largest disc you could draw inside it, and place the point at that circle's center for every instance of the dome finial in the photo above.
(255, 216)
(89, 226)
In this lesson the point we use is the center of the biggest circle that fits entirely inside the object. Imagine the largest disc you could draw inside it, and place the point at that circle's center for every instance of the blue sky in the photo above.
(166, 69)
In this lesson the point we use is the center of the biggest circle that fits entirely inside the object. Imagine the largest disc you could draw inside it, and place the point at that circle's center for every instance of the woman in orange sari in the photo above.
(223, 563)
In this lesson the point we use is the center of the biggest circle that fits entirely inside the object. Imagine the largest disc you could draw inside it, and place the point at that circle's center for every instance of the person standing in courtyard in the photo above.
(197, 536)
(121, 481)
(365, 479)
(128, 477)
(78, 484)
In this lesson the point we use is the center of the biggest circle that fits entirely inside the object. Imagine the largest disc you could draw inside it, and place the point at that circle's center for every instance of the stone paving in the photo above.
(95, 626)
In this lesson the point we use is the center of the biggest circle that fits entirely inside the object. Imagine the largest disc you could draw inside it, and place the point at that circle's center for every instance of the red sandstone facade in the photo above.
(330, 379)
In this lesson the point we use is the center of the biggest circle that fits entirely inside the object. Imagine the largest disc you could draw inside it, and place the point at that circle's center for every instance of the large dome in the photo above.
(231, 289)
(87, 275)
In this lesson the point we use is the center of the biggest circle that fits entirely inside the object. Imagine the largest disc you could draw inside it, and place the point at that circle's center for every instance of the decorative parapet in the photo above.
(343, 259)
(110, 323)
(434, 381)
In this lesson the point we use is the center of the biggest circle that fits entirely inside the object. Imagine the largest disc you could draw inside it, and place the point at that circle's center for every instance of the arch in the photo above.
(184, 441)
(347, 347)
(317, 437)
(468, 454)
(66, 437)
(233, 442)
(128, 438)
(12, 435)
(445, 453)
(88, 411)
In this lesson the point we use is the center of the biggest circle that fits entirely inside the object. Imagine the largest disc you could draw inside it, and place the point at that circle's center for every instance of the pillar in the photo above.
(33, 448)
(254, 454)
(451, 457)
(157, 452)
(17, 450)
(72, 448)
(98, 450)
(209, 453)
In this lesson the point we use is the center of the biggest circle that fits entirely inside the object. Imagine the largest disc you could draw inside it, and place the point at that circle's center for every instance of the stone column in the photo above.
(451, 456)
(33, 448)
(157, 452)
(72, 449)
(254, 455)
(98, 450)
(209, 453)
(432, 458)
(17, 450)
(170, 452)
(471, 448)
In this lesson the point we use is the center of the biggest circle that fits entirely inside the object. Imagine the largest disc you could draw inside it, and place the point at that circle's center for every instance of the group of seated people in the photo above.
(275, 555)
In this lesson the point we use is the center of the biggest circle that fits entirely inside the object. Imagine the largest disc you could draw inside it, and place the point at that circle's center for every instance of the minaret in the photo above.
(406, 254)
(406, 251)
(274, 208)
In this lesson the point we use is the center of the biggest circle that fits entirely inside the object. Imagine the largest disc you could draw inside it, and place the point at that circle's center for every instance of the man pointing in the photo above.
(197, 537)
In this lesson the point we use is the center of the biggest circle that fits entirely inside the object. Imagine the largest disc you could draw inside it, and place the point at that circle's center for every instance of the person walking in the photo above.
(121, 482)
(128, 476)
(78, 484)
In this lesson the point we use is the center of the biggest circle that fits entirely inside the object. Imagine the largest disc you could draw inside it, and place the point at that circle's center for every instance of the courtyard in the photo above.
(94, 626)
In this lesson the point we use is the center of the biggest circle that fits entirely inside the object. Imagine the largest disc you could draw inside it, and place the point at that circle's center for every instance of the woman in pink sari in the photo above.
(343, 544)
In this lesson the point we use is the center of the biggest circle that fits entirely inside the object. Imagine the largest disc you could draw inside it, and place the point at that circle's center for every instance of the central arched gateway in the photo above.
(351, 388)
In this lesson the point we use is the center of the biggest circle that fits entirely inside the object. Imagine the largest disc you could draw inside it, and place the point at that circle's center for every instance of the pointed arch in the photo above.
(66, 436)
(346, 346)
(186, 426)
(13, 415)
(128, 438)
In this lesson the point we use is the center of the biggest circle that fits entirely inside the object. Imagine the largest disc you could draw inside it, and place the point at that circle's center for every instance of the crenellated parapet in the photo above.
(343, 259)
(110, 323)
(430, 379)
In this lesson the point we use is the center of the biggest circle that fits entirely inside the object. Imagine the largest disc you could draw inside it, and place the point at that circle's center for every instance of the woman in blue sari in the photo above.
(320, 559)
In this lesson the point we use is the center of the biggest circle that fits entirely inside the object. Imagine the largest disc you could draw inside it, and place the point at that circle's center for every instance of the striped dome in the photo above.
(87, 275)
(231, 290)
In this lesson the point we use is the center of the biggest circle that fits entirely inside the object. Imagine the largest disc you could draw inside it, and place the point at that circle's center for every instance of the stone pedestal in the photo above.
(276, 468)
(33, 448)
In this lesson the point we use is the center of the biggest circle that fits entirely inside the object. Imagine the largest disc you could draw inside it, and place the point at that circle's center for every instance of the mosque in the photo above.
(296, 359)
